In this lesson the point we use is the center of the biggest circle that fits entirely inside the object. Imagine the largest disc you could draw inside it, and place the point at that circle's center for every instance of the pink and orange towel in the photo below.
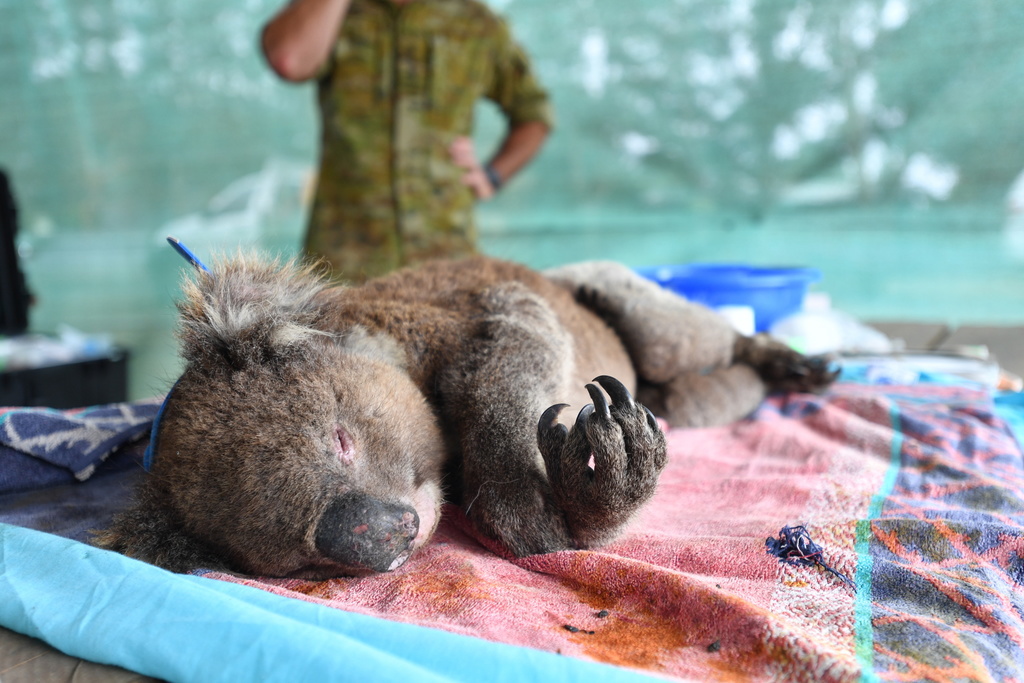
(914, 493)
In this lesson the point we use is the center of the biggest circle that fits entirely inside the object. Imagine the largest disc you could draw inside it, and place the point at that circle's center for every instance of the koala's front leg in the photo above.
(511, 363)
(517, 363)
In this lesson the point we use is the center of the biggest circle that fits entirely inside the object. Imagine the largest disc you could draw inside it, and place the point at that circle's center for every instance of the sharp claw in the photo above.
(651, 420)
(584, 415)
(600, 404)
(617, 390)
(548, 418)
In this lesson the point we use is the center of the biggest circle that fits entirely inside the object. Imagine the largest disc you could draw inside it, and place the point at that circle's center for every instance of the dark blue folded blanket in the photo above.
(44, 447)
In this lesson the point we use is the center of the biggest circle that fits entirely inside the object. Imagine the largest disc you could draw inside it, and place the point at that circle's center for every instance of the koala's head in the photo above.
(284, 449)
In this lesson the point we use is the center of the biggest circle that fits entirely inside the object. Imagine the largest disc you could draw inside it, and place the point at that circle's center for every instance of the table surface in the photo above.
(1005, 344)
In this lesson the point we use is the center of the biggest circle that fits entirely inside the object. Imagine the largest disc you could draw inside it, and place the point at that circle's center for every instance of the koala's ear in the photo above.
(248, 311)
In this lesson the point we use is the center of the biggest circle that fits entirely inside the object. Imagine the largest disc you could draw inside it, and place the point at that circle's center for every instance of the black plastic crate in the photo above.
(14, 295)
(70, 385)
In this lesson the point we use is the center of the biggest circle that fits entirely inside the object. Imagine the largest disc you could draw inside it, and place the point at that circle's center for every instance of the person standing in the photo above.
(398, 81)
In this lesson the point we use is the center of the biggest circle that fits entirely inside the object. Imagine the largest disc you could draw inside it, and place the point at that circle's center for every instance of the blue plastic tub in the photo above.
(773, 293)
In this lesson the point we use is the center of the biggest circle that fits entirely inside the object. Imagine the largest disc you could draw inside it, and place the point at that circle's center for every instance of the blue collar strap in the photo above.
(154, 432)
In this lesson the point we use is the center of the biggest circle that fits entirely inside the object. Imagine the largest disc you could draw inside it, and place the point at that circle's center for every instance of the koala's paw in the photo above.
(783, 369)
(628, 451)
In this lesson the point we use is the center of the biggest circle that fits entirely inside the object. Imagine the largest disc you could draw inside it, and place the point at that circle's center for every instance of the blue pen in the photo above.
(187, 253)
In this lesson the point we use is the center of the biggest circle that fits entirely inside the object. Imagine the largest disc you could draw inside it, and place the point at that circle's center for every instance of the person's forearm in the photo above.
(520, 146)
(299, 39)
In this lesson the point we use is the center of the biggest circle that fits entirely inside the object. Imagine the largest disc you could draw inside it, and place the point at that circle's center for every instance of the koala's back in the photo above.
(434, 310)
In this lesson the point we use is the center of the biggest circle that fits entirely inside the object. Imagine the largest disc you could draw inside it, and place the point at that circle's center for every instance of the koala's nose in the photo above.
(361, 531)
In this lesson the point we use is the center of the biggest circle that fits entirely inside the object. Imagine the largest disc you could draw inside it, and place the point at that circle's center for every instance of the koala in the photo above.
(317, 429)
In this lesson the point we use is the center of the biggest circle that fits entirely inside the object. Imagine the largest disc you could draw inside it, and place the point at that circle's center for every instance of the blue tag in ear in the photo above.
(187, 253)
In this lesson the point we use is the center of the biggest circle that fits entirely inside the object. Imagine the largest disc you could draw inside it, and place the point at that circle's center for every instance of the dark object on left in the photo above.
(14, 295)
(88, 382)
(85, 382)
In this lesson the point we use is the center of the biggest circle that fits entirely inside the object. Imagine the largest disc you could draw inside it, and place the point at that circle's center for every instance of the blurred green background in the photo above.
(879, 141)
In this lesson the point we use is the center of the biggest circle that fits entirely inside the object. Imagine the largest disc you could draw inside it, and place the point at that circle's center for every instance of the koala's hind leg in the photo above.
(531, 487)
(703, 399)
(694, 369)
(723, 394)
(782, 368)
(664, 334)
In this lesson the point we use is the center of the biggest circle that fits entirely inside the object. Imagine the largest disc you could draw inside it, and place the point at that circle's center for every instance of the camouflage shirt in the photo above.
(400, 86)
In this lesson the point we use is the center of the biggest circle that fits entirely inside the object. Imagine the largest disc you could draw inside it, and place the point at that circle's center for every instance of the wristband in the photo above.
(492, 177)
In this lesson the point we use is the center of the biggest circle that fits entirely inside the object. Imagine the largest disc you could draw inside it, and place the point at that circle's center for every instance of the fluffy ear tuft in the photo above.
(249, 310)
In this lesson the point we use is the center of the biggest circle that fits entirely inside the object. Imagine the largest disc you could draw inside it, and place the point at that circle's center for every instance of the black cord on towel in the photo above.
(794, 546)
